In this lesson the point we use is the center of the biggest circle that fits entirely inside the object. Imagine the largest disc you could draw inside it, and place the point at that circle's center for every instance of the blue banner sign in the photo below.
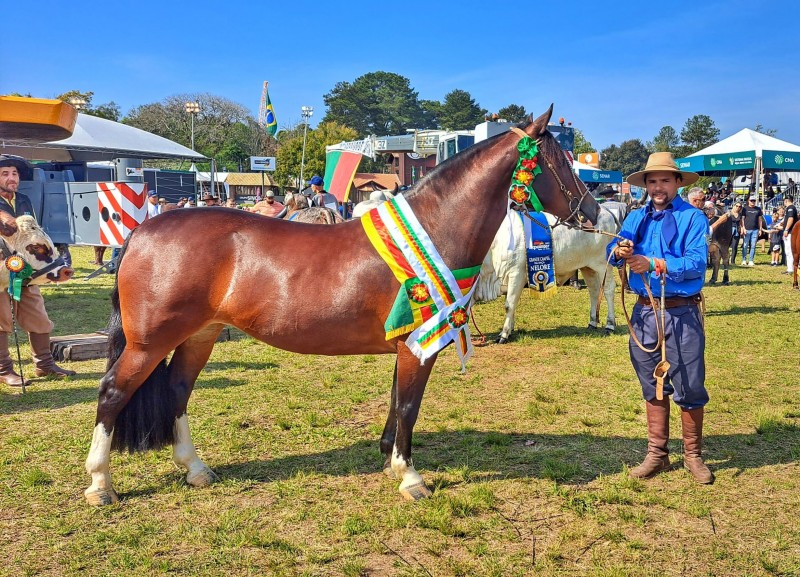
(691, 164)
(781, 160)
(600, 175)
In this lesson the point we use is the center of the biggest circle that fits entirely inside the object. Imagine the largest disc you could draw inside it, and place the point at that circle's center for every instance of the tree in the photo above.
(460, 111)
(513, 113)
(628, 157)
(223, 129)
(109, 110)
(698, 132)
(767, 131)
(290, 150)
(375, 103)
(665, 141)
(430, 114)
(581, 145)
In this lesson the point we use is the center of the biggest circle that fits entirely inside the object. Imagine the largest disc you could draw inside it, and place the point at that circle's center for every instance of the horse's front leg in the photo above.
(725, 259)
(411, 380)
(593, 281)
(390, 429)
(516, 279)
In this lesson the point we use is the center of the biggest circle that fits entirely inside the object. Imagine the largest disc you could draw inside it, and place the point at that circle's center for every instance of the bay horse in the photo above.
(166, 300)
(719, 248)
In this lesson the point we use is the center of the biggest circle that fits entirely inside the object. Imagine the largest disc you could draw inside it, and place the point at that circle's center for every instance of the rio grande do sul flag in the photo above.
(340, 169)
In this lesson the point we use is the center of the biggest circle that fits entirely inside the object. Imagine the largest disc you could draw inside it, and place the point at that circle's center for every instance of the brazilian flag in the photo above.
(272, 122)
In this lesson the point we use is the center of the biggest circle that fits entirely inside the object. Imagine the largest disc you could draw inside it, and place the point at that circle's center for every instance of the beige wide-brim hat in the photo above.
(662, 162)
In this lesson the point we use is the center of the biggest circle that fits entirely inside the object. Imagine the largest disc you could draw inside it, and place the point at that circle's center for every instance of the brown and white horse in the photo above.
(165, 302)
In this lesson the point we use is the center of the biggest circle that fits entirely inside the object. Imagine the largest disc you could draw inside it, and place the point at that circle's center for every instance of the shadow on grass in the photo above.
(737, 310)
(228, 365)
(37, 399)
(489, 455)
(555, 332)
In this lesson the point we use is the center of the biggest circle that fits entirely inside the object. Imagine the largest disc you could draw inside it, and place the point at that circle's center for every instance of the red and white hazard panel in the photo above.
(122, 207)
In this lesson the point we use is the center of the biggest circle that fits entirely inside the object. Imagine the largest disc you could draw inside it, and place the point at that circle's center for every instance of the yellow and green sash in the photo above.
(433, 301)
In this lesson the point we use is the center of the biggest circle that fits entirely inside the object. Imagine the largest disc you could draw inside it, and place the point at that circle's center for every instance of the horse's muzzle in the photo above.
(61, 275)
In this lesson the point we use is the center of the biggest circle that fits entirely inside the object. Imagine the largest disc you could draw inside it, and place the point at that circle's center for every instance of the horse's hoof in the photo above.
(415, 492)
(725, 283)
(712, 282)
(608, 332)
(101, 497)
(501, 340)
(202, 478)
(591, 327)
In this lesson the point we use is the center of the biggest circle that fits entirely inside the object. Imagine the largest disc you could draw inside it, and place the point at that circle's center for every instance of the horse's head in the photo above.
(24, 238)
(559, 190)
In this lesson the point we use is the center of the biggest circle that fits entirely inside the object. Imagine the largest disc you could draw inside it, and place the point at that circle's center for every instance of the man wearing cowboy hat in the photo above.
(666, 240)
(30, 312)
(615, 207)
(210, 200)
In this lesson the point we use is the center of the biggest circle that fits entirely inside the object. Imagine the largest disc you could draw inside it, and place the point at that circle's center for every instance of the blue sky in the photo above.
(616, 72)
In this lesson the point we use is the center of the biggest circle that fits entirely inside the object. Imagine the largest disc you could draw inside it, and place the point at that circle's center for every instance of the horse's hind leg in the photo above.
(725, 259)
(184, 367)
(390, 429)
(593, 284)
(116, 389)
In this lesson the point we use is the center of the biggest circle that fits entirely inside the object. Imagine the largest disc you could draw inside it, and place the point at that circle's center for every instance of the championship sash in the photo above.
(539, 246)
(439, 299)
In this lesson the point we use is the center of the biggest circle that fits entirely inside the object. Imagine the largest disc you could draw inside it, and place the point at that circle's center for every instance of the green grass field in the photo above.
(527, 454)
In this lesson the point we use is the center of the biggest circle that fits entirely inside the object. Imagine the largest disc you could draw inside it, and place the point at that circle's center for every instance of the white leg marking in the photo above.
(404, 470)
(97, 463)
(184, 455)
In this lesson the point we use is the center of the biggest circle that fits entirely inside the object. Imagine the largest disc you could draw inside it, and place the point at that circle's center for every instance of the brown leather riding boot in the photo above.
(657, 458)
(43, 358)
(692, 422)
(7, 373)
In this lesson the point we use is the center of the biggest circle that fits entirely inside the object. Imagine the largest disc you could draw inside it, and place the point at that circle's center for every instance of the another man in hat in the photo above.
(612, 205)
(666, 240)
(209, 200)
(30, 312)
(153, 207)
(269, 206)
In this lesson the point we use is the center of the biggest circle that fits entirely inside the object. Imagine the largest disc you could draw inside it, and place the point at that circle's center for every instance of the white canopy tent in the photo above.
(96, 139)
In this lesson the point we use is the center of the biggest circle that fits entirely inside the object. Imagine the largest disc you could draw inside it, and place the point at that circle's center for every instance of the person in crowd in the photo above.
(30, 311)
(153, 207)
(664, 245)
(99, 252)
(210, 200)
(789, 222)
(735, 219)
(611, 204)
(753, 224)
(231, 202)
(321, 197)
(775, 234)
(269, 206)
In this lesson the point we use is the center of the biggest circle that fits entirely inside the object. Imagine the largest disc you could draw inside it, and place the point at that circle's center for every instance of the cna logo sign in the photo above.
(715, 162)
(778, 159)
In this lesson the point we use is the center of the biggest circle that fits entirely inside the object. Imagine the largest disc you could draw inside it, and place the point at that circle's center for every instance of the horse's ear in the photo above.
(539, 125)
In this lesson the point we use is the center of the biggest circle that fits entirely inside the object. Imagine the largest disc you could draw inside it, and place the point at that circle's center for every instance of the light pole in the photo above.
(192, 108)
(77, 102)
(305, 112)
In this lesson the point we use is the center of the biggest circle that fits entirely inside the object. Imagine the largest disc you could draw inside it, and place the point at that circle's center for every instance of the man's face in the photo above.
(316, 187)
(9, 180)
(270, 199)
(662, 187)
(153, 199)
(698, 201)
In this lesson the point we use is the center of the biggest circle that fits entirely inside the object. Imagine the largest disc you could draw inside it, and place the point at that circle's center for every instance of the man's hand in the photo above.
(624, 249)
(639, 264)
(8, 224)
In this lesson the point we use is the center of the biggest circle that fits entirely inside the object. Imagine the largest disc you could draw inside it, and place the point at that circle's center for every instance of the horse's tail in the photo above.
(147, 420)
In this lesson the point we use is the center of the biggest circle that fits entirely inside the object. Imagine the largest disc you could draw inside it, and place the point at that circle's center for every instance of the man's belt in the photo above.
(672, 302)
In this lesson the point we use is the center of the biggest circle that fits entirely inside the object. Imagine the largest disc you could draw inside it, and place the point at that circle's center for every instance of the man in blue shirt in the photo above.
(667, 238)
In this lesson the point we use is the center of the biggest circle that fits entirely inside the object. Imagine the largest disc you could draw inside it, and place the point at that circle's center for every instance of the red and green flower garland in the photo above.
(521, 190)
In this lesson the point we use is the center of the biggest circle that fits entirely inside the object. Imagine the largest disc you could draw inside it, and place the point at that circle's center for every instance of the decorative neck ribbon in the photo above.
(19, 271)
(400, 239)
(521, 190)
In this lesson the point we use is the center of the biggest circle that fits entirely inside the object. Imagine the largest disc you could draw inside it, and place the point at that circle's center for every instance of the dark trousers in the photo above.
(686, 345)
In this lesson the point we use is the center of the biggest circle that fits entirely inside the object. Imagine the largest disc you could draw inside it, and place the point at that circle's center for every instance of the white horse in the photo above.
(572, 250)
(375, 198)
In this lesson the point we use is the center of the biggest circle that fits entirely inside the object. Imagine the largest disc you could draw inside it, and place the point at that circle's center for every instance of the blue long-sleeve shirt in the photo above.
(685, 256)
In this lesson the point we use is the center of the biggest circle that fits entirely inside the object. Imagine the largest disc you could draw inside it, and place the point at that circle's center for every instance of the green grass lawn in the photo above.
(527, 454)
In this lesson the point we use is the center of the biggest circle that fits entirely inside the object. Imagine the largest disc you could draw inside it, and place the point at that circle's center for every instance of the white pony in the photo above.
(375, 198)
(505, 268)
